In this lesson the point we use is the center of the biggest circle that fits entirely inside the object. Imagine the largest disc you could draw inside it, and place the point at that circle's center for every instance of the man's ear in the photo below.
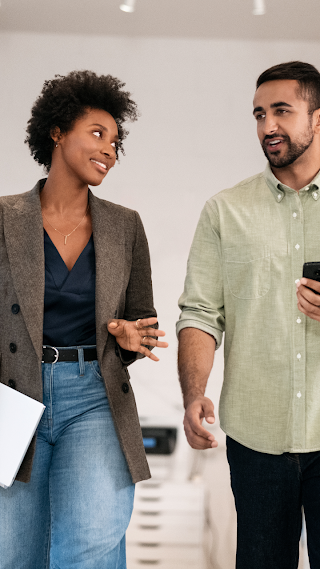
(316, 119)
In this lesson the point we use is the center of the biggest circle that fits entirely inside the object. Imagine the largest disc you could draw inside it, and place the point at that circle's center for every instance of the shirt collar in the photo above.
(278, 189)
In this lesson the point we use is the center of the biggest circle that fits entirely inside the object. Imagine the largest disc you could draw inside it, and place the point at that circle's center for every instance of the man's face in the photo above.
(284, 126)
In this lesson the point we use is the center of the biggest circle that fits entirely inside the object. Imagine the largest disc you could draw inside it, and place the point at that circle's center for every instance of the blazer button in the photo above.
(15, 308)
(12, 383)
(125, 388)
(13, 348)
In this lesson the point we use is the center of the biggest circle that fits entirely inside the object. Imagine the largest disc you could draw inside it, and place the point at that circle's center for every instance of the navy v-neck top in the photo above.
(69, 300)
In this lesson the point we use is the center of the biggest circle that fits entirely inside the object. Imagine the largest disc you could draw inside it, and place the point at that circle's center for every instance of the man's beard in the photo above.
(295, 149)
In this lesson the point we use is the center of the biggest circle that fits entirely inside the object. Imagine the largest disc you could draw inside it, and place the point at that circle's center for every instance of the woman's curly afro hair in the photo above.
(65, 99)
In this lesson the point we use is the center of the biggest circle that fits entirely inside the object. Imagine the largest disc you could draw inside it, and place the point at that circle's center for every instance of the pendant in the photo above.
(65, 239)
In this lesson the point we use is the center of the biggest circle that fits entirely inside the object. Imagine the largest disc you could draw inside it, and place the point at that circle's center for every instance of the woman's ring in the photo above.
(143, 339)
(137, 322)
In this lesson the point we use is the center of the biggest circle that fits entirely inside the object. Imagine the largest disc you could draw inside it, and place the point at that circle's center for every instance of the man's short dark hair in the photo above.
(305, 74)
(65, 99)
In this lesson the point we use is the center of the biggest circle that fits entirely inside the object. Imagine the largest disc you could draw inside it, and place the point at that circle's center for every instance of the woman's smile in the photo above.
(103, 166)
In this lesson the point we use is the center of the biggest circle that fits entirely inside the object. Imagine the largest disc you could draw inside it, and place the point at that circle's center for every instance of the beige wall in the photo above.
(195, 137)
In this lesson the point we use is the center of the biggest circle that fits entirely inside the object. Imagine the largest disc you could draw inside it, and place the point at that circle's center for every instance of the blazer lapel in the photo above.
(23, 230)
(108, 235)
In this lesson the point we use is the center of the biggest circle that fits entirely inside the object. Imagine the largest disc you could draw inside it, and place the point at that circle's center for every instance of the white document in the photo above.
(19, 418)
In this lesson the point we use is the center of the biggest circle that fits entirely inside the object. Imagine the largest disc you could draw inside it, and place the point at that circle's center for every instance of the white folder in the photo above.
(19, 418)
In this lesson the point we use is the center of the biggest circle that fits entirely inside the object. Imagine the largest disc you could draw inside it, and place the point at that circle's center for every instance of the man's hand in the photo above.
(309, 301)
(198, 437)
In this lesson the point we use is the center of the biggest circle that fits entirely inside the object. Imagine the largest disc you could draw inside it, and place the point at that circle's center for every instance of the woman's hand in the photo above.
(135, 336)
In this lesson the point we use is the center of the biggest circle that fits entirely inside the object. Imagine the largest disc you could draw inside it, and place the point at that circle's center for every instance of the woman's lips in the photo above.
(100, 165)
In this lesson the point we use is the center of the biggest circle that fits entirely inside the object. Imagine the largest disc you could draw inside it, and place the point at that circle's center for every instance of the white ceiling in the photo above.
(285, 19)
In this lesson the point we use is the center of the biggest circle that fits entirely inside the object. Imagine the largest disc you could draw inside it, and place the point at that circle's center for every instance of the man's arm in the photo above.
(195, 360)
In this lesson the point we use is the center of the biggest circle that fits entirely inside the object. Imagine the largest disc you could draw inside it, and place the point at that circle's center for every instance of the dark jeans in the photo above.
(269, 491)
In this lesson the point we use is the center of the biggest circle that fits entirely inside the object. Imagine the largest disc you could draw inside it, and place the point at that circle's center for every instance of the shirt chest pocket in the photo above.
(248, 270)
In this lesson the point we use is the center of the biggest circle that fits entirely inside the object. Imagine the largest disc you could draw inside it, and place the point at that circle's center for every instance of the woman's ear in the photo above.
(55, 134)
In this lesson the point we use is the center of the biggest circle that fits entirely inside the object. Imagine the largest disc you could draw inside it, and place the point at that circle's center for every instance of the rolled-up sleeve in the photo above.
(202, 303)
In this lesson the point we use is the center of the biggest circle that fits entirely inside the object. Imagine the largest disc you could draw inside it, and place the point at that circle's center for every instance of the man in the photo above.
(244, 279)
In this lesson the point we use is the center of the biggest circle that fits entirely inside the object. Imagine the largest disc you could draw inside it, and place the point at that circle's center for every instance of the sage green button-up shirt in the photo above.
(248, 251)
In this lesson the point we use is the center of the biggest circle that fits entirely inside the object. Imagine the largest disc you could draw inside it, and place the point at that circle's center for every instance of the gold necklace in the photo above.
(63, 235)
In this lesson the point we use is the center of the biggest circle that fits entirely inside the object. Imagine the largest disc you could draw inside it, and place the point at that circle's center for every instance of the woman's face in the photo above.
(88, 151)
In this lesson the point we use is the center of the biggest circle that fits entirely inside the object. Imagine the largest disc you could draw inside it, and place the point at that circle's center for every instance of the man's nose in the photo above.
(270, 124)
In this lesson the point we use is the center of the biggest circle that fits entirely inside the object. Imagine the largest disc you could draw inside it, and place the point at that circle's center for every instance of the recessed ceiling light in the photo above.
(128, 6)
(259, 7)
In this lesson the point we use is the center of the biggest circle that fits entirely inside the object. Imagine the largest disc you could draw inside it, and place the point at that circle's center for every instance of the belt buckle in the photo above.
(56, 355)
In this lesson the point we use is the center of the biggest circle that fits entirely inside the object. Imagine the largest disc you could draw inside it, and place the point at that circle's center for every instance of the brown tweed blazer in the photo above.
(123, 290)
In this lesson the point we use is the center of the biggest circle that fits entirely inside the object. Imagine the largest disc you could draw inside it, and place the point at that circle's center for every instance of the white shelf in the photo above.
(165, 556)
(167, 524)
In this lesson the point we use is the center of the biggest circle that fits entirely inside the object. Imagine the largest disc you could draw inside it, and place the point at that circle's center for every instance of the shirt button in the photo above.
(297, 246)
(279, 197)
(307, 188)
(15, 308)
(298, 320)
(125, 388)
(13, 348)
(315, 195)
(299, 394)
(299, 356)
(294, 215)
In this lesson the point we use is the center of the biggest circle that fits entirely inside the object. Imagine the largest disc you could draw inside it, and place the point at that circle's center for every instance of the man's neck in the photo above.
(299, 174)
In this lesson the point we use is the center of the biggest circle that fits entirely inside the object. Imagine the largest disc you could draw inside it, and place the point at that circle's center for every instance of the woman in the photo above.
(76, 307)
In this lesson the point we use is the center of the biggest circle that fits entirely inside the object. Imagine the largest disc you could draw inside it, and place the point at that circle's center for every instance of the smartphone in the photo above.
(312, 271)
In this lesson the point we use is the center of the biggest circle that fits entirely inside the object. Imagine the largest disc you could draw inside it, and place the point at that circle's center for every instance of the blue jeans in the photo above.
(74, 512)
(269, 492)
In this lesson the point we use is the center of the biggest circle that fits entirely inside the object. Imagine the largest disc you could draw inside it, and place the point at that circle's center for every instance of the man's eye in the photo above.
(282, 111)
(114, 144)
(260, 117)
(97, 133)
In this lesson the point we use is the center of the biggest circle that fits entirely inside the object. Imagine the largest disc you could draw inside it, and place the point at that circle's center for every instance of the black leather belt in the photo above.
(51, 355)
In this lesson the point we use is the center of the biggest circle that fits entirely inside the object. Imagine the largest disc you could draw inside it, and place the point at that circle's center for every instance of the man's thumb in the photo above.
(209, 411)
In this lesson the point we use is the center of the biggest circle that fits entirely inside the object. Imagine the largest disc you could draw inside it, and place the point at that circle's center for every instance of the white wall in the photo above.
(195, 137)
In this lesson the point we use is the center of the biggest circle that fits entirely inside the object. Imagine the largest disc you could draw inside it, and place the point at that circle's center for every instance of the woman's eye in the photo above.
(113, 144)
(97, 133)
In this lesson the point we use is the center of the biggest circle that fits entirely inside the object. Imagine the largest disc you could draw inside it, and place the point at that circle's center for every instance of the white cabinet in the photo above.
(166, 529)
